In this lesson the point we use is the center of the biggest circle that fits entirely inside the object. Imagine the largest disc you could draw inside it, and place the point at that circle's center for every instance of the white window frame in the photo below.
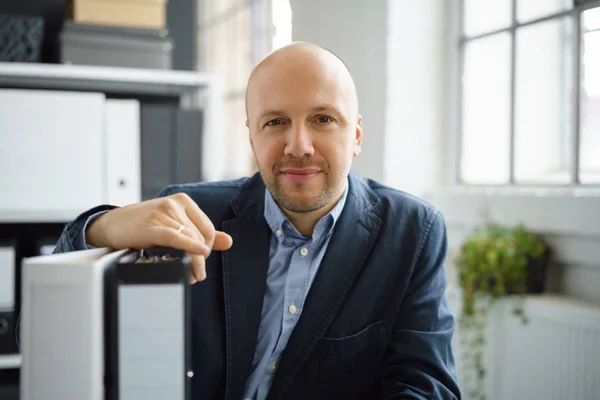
(566, 209)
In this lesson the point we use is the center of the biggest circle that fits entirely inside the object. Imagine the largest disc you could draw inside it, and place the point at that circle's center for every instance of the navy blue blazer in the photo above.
(376, 323)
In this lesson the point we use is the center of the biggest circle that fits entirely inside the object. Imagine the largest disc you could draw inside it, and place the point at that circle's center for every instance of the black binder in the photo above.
(147, 312)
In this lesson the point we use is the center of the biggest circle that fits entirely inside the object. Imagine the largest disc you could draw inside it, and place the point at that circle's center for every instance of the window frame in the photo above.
(555, 209)
(459, 40)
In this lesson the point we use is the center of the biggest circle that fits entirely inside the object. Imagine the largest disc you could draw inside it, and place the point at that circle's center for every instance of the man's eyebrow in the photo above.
(326, 107)
(271, 112)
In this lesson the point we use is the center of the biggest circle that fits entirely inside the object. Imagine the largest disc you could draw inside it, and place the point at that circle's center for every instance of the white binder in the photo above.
(64, 152)
(123, 149)
(50, 151)
(99, 325)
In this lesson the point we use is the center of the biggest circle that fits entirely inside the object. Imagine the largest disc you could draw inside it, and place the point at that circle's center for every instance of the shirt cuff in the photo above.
(80, 242)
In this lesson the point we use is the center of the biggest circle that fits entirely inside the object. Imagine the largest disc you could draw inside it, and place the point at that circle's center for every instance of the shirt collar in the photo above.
(276, 218)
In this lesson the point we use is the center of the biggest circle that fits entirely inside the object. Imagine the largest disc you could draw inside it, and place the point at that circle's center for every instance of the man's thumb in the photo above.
(222, 241)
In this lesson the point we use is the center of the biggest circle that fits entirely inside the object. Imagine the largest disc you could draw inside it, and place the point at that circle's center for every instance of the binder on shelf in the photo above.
(101, 324)
(8, 344)
(123, 169)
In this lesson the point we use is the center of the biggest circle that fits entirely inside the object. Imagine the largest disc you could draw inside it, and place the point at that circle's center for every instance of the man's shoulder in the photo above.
(398, 197)
(399, 207)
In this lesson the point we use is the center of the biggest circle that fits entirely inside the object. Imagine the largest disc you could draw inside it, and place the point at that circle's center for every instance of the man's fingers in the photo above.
(181, 241)
(198, 267)
(222, 241)
(190, 229)
(199, 219)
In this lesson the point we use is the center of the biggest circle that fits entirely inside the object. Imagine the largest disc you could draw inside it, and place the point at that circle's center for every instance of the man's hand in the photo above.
(156, 223)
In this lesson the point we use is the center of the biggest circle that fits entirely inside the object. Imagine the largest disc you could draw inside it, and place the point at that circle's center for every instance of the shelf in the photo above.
(10, 361)
(104, 79)
(42, 216)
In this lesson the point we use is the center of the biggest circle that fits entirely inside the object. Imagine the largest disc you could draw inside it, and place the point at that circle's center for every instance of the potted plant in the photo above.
(494, 262)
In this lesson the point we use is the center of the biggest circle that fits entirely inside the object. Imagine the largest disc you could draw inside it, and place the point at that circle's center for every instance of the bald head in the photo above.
(302, 61)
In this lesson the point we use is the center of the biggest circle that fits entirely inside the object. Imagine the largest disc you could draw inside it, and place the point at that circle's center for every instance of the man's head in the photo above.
(302, 113)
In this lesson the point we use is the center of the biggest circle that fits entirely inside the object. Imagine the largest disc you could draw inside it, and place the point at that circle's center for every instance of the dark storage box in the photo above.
(21, 38)
(83, 44)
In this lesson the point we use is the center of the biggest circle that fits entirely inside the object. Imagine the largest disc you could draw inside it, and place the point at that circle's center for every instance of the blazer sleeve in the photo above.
(72, 237)
(419, 363)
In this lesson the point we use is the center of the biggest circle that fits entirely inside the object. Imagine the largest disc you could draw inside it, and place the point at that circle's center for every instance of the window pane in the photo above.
(589, 128)
(543, 99)
(486, 110)
(591, 19)
(481, 16)
(528, 10)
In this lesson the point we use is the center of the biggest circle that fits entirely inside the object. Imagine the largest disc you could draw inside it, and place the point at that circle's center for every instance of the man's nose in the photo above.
(299, 141)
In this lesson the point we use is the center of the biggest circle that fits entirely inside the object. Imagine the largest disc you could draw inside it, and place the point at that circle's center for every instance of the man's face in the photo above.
(304, 131)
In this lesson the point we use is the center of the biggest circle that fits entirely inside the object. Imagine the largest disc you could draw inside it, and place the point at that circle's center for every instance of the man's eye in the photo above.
(274, 122)
(323, 119)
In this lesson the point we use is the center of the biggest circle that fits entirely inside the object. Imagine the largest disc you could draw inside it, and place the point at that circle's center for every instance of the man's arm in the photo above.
(419, 363)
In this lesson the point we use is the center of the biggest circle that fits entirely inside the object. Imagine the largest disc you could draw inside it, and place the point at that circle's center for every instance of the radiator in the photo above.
(555, 356)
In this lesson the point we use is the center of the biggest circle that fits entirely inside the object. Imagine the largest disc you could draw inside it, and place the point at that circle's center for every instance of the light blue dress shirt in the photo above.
(293, 264)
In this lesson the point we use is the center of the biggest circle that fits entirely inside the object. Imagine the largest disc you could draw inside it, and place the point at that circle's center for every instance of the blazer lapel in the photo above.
(245, 267)
(354, 236)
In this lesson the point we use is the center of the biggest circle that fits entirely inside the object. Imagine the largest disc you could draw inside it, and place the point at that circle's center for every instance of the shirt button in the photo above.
(279, 233)
(292, 309)
(273, 367)
(288, 225)
(303, 251)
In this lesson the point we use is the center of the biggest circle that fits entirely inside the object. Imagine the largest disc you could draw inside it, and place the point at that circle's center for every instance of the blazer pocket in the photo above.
(343, 346)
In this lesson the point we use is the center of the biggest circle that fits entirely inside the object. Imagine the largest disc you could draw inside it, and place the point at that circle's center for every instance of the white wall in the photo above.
(417, 65)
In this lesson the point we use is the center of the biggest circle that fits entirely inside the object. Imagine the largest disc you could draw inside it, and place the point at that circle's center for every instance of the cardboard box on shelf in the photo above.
(129, 13)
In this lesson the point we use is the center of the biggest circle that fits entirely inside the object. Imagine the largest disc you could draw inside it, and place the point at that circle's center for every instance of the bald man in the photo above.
(309, 282)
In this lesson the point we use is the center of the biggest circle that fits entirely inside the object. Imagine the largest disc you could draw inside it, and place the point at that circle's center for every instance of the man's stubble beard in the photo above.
(332, 185)
(309, 205)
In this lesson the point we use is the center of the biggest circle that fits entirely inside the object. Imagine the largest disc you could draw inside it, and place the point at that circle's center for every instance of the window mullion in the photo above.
(459, 87)
(513, 66)
(576, 94)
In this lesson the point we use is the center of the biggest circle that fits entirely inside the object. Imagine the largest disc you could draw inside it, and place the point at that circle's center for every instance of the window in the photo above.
(529, 92)
(234, 36)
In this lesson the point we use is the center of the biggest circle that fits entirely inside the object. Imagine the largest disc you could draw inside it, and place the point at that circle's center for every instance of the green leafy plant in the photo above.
(494, 262)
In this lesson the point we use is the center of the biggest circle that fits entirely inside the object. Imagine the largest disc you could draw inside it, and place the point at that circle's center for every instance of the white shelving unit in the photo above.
(105, 79)
(195, 90)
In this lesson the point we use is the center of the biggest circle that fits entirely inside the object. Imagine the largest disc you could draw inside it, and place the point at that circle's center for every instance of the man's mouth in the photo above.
(299, 174)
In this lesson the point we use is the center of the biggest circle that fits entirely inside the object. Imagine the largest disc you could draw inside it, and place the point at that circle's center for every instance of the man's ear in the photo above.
(250, 137)
(359, 136)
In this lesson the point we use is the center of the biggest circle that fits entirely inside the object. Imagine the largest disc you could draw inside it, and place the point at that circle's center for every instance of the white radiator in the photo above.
(555, 356)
